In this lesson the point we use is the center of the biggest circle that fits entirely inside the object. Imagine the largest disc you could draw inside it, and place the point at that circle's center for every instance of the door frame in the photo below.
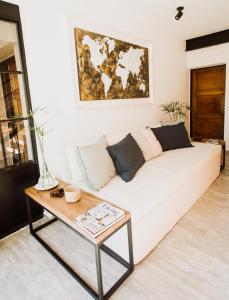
(190, 92)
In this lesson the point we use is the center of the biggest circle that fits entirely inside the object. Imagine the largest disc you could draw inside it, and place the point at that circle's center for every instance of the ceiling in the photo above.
(200, 16)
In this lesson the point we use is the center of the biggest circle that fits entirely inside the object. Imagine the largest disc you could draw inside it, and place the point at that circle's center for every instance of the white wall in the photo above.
(50, 51)
(210, 56)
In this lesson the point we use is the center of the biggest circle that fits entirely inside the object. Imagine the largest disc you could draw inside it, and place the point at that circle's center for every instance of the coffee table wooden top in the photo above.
(68, 211)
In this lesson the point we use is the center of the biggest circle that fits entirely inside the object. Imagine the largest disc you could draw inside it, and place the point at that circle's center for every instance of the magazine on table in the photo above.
(99, 218)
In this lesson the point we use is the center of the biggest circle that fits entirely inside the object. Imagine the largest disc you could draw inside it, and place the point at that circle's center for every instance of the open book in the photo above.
(100, 218)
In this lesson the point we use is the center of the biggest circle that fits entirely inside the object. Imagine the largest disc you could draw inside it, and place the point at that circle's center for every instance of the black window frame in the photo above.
(11, 13)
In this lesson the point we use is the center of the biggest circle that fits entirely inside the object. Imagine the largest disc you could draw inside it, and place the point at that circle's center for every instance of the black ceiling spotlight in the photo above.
(179, 12)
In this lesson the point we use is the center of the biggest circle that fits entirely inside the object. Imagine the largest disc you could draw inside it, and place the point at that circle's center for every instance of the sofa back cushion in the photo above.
(127, 157)
(172, 137)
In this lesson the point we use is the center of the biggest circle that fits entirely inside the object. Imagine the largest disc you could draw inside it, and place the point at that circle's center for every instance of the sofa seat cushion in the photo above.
(157, 180)
(186, 160)
(144, 192)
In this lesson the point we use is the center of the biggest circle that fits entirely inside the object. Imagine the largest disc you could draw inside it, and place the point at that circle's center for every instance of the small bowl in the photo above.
(72, 194)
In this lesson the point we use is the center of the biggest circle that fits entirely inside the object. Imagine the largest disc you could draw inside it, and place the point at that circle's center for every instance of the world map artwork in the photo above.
(109, 68)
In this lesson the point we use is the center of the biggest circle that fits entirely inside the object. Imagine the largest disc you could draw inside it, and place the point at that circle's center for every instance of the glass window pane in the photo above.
(11, 90)
(15, 142)
(9, 45)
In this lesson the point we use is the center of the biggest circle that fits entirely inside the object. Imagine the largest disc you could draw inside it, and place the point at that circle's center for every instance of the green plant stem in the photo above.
(170, 116)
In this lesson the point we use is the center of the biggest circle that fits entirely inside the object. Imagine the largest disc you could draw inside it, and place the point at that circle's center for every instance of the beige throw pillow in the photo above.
(147, 142)
(96, 164)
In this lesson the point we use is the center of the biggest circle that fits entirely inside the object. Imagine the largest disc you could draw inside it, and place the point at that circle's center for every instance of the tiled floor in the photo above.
(191, 263)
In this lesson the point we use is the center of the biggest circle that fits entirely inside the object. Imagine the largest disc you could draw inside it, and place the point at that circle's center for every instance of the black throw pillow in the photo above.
(127, 157)
(172, 137)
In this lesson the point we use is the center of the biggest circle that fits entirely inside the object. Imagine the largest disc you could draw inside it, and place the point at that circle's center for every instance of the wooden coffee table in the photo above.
(66, 213)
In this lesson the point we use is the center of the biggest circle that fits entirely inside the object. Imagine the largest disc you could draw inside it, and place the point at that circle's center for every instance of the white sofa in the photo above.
(162, 191)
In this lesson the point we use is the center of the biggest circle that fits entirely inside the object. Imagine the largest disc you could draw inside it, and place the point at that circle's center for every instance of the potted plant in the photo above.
(175, 110)
(46, 180)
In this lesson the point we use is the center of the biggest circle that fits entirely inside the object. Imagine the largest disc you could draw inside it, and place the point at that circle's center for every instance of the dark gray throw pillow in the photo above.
(127, 157)
(172, 137)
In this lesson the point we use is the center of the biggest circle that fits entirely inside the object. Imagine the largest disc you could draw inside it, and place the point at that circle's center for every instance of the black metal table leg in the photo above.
(28, 204)
(130, 244)
(99, 272)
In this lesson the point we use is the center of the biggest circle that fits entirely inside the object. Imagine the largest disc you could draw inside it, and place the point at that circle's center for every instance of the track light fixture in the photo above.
(179, 12)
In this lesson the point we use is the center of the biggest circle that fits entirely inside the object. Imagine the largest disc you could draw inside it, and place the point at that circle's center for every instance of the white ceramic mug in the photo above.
(72, 194)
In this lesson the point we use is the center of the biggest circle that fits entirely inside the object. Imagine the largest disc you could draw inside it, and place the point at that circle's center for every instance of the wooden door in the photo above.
(207, 102)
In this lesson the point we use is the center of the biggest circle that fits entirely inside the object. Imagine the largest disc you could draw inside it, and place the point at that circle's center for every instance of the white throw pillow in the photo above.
(96, 163)
(116, 137)
(76, 170)
(147, 142)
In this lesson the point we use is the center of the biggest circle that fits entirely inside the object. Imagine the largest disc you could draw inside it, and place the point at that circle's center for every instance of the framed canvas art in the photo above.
(109, 68)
